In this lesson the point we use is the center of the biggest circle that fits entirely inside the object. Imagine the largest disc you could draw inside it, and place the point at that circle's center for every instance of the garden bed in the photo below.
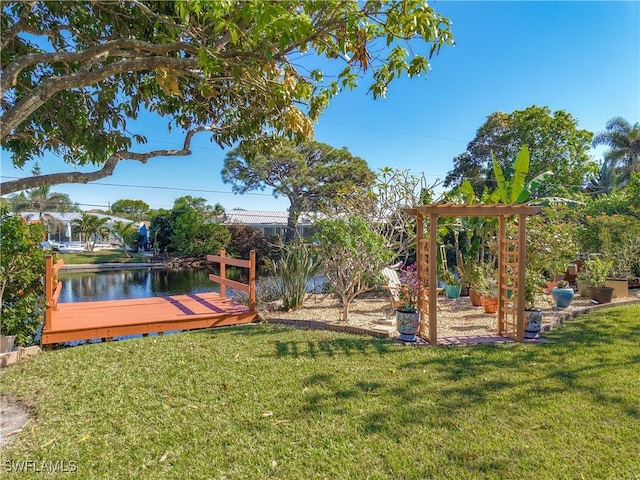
(455, 317)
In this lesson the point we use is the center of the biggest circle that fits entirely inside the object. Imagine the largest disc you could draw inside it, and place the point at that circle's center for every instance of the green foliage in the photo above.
(188, 229)
(296, 266)
(90, 227)
(623, 156)
(229, 68)
(615, 237)
(596, 271)
(310, 174)
(245, 238)
(552, 241)
(194, 234)
(22, 277)
(623, 201)
(126, 233)
(132, 209)
(381, 204)
(555, 144)
(352, 256)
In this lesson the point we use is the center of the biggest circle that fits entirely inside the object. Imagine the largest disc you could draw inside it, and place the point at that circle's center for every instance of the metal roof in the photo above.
(261, 217)
(68, 217)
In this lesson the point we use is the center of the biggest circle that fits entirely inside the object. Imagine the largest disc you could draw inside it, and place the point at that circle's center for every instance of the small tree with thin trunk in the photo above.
(352, 256)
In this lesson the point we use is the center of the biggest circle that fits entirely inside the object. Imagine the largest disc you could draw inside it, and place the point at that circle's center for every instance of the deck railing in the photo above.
(224, 282)
(52, 289)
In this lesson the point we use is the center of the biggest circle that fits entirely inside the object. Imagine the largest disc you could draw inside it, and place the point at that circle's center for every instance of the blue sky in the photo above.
(582, 57)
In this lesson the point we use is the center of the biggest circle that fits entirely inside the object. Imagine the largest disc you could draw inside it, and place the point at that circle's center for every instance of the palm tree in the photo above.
(623, 140)
(124, 233)
(90, 226)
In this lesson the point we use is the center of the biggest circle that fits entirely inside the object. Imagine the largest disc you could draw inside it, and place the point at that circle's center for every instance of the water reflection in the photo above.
(136, 283)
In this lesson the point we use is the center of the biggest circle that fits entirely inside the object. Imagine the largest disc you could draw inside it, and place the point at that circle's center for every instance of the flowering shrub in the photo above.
(410, 288)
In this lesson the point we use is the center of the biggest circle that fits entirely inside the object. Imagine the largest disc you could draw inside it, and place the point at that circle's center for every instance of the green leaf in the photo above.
(503, 189)
(520, 172)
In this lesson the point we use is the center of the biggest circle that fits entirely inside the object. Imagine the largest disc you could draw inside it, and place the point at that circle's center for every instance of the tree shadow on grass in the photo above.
(333, 347)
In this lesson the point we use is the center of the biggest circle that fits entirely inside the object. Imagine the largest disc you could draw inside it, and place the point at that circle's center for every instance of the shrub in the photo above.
(22, 277)
(297, 265)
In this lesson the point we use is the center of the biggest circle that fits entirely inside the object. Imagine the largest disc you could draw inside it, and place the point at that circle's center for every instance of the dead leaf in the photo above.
(267, 413)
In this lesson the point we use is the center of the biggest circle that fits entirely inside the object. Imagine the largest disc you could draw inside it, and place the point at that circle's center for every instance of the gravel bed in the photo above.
(455, 317)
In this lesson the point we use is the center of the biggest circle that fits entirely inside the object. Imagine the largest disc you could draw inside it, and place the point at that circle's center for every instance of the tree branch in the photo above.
(106, 170)
(50, 87)
(92, 55)
(11, 32)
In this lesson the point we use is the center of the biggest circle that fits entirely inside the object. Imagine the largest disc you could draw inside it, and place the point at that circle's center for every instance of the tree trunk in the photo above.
(292, 222)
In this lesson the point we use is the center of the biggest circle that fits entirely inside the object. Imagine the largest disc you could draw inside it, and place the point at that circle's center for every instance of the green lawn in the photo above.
(276, 402)
(102, 256)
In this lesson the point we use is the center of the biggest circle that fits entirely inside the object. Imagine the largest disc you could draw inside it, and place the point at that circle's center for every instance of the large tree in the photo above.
(75, 74)
(623, 156)
(555, 144)
(309, 174)
(132, 209)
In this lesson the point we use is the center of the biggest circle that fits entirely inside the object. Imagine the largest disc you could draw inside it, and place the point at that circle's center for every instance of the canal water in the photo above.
(134, 283)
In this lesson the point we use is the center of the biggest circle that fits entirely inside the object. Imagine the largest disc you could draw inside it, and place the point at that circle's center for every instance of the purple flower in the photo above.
(410, 288)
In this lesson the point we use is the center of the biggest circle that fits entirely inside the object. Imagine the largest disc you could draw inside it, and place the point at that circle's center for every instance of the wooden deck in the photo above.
(67, 322)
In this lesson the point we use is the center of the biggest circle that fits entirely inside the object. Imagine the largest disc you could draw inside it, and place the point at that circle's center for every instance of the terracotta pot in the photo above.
(475, 297)
(490, 304)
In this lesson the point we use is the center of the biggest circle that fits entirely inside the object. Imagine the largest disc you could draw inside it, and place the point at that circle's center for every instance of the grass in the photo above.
(273, 402)
(102, 256)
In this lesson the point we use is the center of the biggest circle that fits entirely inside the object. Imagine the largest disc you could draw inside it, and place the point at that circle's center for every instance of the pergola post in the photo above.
(522, 248)
(502, 286)
(433, 278)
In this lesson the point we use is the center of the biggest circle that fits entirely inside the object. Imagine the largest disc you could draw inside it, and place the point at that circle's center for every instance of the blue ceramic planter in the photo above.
(562, 296)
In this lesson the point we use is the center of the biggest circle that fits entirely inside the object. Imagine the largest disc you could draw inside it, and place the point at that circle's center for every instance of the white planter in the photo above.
(6, 343)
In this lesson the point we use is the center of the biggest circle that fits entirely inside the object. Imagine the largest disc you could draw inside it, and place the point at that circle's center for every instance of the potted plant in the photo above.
(562, 294)
(488, 290)
(533, 316)
(597, 271)
(408, 315)
(475, 277)
(452, 284)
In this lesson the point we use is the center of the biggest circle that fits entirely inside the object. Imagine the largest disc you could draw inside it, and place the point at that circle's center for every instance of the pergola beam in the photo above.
(451, 210)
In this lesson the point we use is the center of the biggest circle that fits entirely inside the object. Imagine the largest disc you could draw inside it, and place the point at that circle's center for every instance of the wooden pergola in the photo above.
(511, 259)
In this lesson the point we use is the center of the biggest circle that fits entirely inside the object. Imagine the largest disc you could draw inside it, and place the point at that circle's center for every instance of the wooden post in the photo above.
(252, 280)
(433, 279)
(502, 288)
(522, 265)
(48, 292)
(223, 273)
(421, 270)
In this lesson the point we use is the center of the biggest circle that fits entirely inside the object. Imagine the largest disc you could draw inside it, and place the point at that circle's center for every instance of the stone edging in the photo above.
(21, 353)
(569, 315)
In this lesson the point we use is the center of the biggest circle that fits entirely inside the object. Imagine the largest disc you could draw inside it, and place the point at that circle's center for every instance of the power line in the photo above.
(161, 187)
